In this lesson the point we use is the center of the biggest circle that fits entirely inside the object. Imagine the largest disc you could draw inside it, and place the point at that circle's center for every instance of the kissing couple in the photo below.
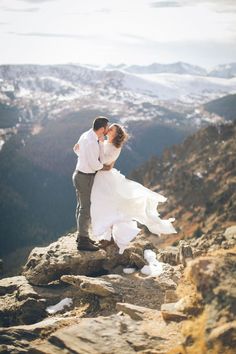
(106, 199)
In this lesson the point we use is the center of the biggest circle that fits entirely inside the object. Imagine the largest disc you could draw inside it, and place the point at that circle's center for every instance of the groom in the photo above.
(88, 148)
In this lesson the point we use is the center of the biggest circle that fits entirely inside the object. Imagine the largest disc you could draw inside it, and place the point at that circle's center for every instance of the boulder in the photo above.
(23, 303)
(46, 264)
(114, 334)
(17, 339)
(19, 302)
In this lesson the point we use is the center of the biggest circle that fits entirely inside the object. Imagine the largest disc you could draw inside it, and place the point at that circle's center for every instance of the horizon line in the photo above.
(124, 64)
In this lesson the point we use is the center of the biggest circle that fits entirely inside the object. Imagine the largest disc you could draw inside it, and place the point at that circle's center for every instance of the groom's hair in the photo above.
(100, 122)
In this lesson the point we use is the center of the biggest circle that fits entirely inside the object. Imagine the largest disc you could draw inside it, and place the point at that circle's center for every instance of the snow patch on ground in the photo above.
(60, 306)
(154, 267)
(129, 270)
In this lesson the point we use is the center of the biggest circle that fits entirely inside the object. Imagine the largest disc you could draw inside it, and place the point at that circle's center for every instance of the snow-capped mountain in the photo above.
(46, 92)
(77, 80)
(179, 87)
(175, 68)
(225, 71)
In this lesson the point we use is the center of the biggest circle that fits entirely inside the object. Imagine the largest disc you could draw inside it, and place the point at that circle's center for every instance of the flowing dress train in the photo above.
(117, 204)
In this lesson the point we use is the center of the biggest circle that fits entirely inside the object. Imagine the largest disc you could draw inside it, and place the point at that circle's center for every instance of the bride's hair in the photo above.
(121, 136)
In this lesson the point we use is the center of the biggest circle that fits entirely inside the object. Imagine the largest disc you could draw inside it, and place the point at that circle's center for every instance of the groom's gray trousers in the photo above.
(83, 186)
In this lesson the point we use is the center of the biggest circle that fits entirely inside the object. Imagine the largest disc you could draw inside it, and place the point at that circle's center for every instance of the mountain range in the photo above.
(223, 71)
(163, 82)
(171, 95)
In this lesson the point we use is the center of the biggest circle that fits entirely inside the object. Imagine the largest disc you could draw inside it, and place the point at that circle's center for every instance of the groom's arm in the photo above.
(92, 153)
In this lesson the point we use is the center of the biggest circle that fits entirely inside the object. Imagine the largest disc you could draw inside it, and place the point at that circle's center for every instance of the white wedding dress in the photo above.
(117, 204)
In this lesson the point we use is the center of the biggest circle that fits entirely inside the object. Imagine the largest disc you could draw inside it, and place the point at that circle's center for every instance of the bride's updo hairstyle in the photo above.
(121, 136)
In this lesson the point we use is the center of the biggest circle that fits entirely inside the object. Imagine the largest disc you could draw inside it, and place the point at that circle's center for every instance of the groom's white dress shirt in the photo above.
(90, 150)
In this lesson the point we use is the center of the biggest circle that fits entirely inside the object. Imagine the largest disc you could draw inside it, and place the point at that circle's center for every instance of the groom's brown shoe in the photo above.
(85, 244)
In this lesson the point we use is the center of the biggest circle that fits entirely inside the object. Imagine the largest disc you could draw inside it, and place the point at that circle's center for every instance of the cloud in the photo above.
(103, 10)
(36, 1)
(53, 35)
(30, 9)
(197, 52)
(137, 38)
(162, 4)
(220, 5)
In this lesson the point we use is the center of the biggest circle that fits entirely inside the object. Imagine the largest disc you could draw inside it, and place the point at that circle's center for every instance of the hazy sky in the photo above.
(117, 31)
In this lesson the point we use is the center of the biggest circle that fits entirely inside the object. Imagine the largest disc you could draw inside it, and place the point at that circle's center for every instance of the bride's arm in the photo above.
(109, 155)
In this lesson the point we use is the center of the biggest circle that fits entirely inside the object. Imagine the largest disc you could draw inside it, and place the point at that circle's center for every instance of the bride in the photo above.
(117, 203)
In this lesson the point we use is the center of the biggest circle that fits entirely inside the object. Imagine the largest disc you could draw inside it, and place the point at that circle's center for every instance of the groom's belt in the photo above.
(89, 174)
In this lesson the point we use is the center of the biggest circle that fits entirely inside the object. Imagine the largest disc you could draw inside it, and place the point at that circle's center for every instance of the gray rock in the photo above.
(133, 289)
(89, 285)
(19, 302)
(46, 264)
(132, 256)
(214, 241)
(173, 316)
(135, 312)
(176, 255)
(17, 339)
(114, 334)
(22, 303)
(169, 255)
(185, 252)
(213, 295)
(226, 334)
